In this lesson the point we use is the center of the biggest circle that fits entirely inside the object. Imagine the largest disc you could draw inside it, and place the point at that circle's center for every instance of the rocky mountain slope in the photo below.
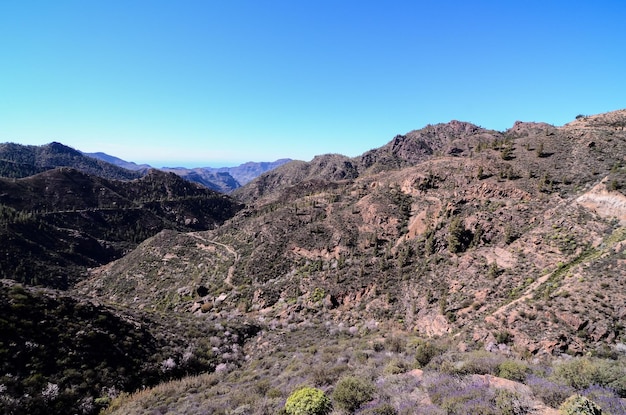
(441, 245)
(59, 354)
(511, 242)
(58, 223)
(454, 270)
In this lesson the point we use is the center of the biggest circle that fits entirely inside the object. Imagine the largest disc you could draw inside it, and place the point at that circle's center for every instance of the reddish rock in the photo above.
(573, 320)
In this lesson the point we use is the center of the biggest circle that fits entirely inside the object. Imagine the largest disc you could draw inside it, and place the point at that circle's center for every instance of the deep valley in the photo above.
(453, 270)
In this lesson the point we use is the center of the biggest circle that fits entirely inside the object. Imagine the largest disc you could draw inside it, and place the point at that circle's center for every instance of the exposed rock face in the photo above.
(432, 324)
(608, 204)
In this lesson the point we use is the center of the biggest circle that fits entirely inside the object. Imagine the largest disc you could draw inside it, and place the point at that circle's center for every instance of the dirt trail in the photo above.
(608, 244)
(604, 203)
(527, 294)
(229, 249)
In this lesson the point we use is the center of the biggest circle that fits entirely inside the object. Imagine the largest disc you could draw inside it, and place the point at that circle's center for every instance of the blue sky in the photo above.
(211, 83)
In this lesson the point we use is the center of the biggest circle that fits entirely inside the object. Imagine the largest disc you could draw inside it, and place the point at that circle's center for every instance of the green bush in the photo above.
(503, 337)
(509, 403)
(308, 401)
(580, 373)
(322, 374)
(477, 362)
(425, 352)
(351, 392)
(395, 367)
(579, 405)
(513, 370)
(395, 344)
(274, 393)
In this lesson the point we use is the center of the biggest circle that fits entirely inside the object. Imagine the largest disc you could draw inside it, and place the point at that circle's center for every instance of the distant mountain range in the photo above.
(17, 161)
(221, 179)
(226, 179)
(128, 165)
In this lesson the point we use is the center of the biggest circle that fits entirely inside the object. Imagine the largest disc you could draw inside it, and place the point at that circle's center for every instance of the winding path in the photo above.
(228, 248)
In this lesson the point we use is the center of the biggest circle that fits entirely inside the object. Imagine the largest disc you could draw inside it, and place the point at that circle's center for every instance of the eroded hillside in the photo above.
(454, 270)
(448, 230)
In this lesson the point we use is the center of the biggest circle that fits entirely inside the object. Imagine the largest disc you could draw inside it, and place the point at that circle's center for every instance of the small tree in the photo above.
(506, 153)
(459, 238)
(456, 229)
(308, 401)
(426, 351)
(481, 172)
(539, 150)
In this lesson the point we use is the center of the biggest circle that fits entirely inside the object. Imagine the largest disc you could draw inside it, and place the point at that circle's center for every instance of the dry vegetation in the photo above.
(454, 270)
(371, 374)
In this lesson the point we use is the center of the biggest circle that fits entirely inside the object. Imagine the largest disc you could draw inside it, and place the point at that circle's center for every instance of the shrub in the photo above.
(513, 370)
(509, 403)
(457, 396)
(351, 392)
(395, 344)
(262, 386)
(503, 337)
(580, 373)
(395, 367)
(308, 401)
(274, 393)
(383, 409)
(480, 363)
(579, 405)
(324, 375)
(425, 352)
(551, 393)
(606, 399)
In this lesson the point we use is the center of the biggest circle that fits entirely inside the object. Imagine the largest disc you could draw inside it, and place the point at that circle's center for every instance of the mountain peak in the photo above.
(60, 148)
(18, 160)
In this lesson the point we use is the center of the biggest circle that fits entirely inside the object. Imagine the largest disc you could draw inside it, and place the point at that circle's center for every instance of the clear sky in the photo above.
(211, 83)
